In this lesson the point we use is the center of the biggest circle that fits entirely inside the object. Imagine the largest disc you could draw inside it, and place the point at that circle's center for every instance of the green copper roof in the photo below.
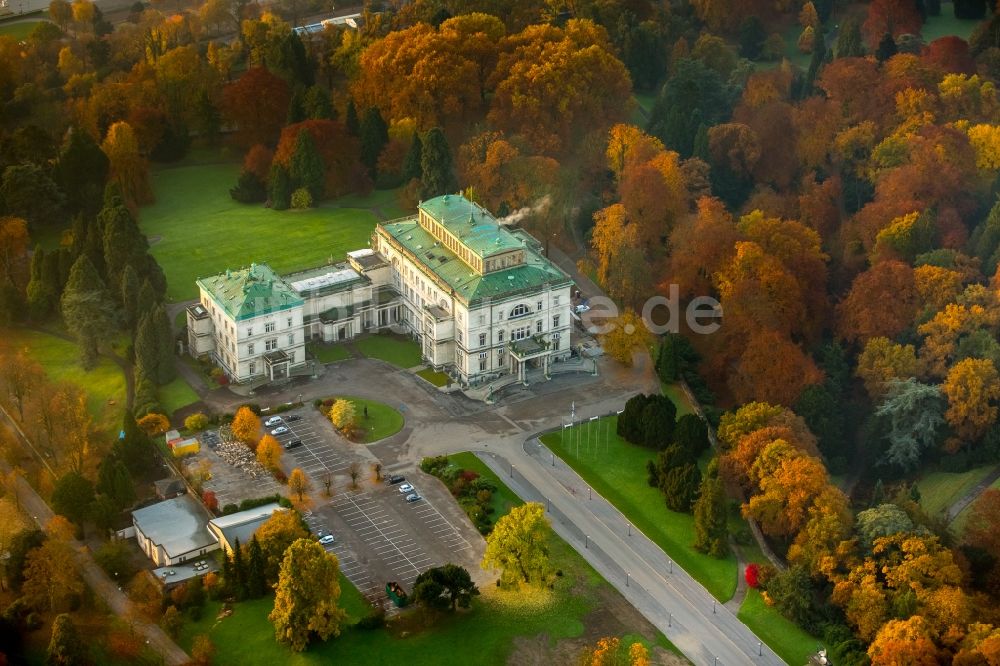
(468, 285)
(470, 223)
(250, 292)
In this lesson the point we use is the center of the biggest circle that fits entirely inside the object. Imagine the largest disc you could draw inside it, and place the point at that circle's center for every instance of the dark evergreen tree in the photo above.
(643, 52)
(411, 163)
(630, 420)
(72, 495)
(296, 107)
(42, 290)
(87, 309)
(81, 171)
(822, 407)
(281, 186)
(134, 447)
(710, 515)
(256, 567)
(933, 7)
(146, 301)
(792, 593)
(26, 191)
(208, 119)
(292, 61)
(351, 119)
(115, 483)
(317, 103)
(849, 41)
(21, 544)
(815, 64)
(373, 135)
(970, 9)
(94, 245)
(239, 573)
(124, 244)
(306, 166)
(130, 296)
(146, 400)
(658, 421)
(66, 647)
(154, 347)
(691, 434)
(436, 164)
(249, 189)
(78, 231)
(694, 94)
(680, 487)
(886, 48)
(752, 37)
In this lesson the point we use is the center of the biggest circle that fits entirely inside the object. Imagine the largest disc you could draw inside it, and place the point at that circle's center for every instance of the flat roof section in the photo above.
(177, 525)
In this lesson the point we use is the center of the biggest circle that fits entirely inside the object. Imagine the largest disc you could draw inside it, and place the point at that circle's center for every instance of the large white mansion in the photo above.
(479, 297)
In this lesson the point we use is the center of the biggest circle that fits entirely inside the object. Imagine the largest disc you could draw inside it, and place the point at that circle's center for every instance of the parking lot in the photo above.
(322, 451)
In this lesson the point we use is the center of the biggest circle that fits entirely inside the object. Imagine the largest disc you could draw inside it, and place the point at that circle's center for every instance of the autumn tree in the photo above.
(624, 334)
(972, 388)
(299, 483)
(66, 646)
(50, 575)
(87, 309)
(269, 452)
(275, 535)
(908, 641)
(882, 361)
(773, 369)
(257, 104)
(21, 377)
(882, 301)
(895, 17)
(306, 596)
(518, 546)
(343, 415)
(127, 166)
(342, 172)
(789, 483)
(245, 425)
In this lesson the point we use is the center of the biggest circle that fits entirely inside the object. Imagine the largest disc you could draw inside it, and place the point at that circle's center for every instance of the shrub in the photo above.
(196, 422)
(301, 199)
(210, 500)
(434, 465)
(249, 189)
(375, 619)
(230, 508)
(752, 575)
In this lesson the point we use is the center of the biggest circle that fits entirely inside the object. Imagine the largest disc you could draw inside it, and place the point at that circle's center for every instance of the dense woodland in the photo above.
(845, 214)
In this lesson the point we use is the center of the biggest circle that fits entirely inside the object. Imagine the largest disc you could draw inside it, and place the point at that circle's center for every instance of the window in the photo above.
(289, 322)
(482, 339)
(461, 337)
(483, 362)
(538, 326)
(482, 320)
(520, 333)
(499, 336)
(250, 351)
(538, 306)
(269, 327)
(249, 331)
(555, 321)
(519, 311)
(271, 344)
(555, 300)
(253, 368)
(291, 338)
(291, 357)
(500, 357)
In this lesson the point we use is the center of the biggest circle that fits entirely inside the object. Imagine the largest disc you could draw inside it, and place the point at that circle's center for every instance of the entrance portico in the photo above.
(524, 351)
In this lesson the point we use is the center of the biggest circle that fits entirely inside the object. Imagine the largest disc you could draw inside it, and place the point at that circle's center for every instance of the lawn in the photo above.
(486, 633)
(328, 353)
(435, 377)
(398, 350)
(176, 394)
(945, 25)
(19, 31)
(197, 230)
(939, 490)
(104, 385)
(678, 397)
(617, 470)
(382, 420)
(783, 636)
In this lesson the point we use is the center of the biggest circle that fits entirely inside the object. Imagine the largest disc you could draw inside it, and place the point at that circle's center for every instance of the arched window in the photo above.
(519, 311)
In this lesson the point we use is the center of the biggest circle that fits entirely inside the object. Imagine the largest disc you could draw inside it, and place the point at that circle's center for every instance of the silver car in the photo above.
(280, 430)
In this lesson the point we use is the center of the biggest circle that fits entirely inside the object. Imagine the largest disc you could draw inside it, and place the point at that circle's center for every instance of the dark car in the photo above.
(393, 480)
(292, 444)
(293, 418)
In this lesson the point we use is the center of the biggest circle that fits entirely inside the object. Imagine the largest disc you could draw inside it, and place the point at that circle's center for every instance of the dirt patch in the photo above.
(613, 616)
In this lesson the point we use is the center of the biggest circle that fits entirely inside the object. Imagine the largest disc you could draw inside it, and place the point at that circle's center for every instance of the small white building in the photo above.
(240, 527)
(174, 531)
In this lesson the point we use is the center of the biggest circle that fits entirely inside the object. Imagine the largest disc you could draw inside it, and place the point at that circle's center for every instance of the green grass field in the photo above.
(945, 25)
(783, 636)
(486, 633)
(382, 421)
(328, 353)
(175, 395)
(618, 472)
(104, 385)
(435, 377)
(401, 352)
(939, 490)
(678, 397)
(19, 31)
(197, 230)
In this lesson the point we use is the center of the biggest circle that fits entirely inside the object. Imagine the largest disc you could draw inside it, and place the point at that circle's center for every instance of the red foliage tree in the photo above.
(882, 302)
(951, 54)
(210, 500)
(339, 151)
(897, 17)
(752, 575)
(258, 161)
(257, 104)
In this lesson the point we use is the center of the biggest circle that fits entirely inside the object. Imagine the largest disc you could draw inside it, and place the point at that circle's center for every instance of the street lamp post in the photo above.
(586, 541)
(626, 579)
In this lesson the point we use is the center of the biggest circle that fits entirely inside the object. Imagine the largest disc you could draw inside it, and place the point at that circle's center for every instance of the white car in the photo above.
(406, 488)
(413, 497)
(273, 421)
(280, 430)
(326, 539)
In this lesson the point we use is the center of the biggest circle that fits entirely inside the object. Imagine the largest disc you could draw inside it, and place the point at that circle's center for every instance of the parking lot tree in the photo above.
(275, 535)
(354, 471)
(245, 425)
(269, 452)
(299, 483)
(327, 484)
(449, 586)
(307, 594)
(518, 546)
(87, 309)
(66, 647)
(343, 415)
(377, 471)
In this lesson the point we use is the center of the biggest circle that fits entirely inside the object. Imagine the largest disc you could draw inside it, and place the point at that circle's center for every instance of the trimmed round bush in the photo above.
(301, 199)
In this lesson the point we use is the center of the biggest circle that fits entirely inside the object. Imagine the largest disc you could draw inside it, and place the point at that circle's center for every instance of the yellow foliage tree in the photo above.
(128, 167)
(343, 415)
(299, 483)
(882, 360)
(518, 546)
(972, 388)
(626, 333)
(985, 140)
(246, 425)
(269, 452)
(306, 595)
(154, 424)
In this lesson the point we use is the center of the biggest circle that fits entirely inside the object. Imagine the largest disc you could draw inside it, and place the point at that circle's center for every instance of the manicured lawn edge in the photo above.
(395, 349)
(783, 636)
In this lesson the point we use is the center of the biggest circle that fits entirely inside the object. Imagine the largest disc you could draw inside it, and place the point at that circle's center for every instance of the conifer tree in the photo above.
(351, 118)
(40, 292)
(124, 244)
(436, 164)
(710, 515)
(256, 581)
(374, 134)
(411, 163)
(239, 572)
(130, 296)
(87, 309)
(317, 103)
(81, 171)
(281, 187)
(306, 166)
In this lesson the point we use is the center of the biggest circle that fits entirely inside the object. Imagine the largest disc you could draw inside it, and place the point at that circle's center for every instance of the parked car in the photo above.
(394, 479)
(280, 430)
(292, 418)
(273, 421)
(294, 443)
(406, 488)
(413, 497)
(326, 539)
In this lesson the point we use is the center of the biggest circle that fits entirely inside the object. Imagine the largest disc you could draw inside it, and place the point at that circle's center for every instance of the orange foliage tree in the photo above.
(338, 149)
(257, 103)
